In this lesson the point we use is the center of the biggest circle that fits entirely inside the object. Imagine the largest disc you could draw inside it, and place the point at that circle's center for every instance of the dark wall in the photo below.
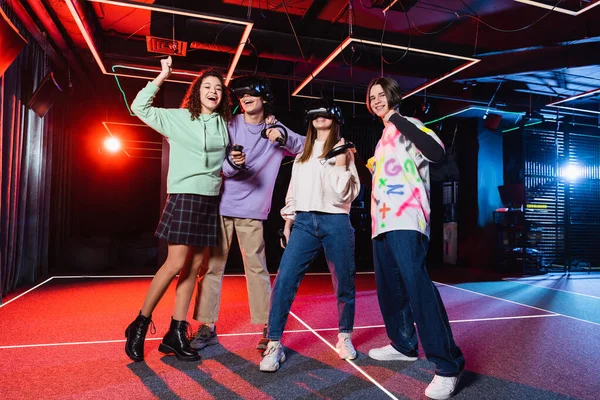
(465, 151)
(114, 198)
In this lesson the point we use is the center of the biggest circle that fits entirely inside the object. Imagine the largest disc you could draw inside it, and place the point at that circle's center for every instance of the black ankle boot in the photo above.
(176, 342)
(136, 334)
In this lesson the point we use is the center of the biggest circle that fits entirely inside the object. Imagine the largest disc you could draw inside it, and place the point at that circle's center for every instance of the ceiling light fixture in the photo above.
(163, 9)
(555, 104)
(469, 63)
(559, 9)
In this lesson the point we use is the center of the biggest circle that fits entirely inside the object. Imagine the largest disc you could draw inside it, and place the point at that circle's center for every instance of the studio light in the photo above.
(112, 144)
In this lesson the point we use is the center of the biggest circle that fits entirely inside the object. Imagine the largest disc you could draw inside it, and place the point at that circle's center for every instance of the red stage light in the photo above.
(112, 144)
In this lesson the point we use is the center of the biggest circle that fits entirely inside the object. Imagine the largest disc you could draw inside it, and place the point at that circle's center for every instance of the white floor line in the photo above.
(24, 293)
(504, 318)
(309, 330)
(520, 304)
(549, 288)
(359, 369)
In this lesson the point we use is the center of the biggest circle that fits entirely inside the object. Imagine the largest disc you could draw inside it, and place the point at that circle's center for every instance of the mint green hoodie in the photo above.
(197, 148)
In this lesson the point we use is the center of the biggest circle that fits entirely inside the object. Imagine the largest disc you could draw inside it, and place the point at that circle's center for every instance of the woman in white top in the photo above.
(318, 203)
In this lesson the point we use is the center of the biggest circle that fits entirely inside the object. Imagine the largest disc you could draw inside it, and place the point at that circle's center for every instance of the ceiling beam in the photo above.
(540, 59)
(36, 33)
(57, 37)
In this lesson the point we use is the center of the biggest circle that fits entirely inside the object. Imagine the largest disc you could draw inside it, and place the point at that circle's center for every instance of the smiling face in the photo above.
(252, 105)
(211, 94)
(378, 101)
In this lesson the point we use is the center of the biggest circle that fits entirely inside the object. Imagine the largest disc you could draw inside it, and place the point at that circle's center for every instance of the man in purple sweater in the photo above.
(245, 204)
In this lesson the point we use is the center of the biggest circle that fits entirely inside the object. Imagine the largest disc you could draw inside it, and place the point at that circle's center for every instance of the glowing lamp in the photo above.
(112, 144)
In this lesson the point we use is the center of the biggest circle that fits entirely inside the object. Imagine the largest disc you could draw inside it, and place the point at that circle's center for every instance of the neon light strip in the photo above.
(416, 50)
(321, 66)
(524, 126)
(492, 110)
(154, 70)
(390, 6)
(163, 9)
(348, 40)
(170, 10)
(336, 100)
(559, 9)
(575, 109)
(86, 36)
(577, 97)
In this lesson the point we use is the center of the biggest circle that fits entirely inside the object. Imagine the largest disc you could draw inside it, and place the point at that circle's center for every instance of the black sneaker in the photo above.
(204, 337)
(264, 341)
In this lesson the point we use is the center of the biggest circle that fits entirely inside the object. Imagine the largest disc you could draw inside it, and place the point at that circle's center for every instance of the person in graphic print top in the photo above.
(400, 212)
(317, 205)
(245, 204)
(197, 135)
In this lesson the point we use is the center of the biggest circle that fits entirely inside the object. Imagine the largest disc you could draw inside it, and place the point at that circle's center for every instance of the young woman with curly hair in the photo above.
(197, 135)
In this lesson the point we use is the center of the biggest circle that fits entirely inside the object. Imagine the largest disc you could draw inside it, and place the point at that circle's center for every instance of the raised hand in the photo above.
(167, 67)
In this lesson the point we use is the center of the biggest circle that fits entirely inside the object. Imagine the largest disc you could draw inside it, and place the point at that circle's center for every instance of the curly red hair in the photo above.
(192, 102)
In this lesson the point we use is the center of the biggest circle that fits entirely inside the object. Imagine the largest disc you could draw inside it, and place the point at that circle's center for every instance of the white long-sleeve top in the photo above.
(319, 185)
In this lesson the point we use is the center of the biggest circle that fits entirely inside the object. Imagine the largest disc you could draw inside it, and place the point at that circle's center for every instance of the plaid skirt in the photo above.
(189, 219)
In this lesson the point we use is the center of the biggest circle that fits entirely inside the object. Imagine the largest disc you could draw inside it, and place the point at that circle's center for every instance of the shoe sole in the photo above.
(393, 358)
(202, 345)
(163, 348)
(350, 357)
(277, 366)
(134, 358)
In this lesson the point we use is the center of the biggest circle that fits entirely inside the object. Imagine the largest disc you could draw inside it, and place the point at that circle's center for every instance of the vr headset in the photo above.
(252, 85)
(323, 108)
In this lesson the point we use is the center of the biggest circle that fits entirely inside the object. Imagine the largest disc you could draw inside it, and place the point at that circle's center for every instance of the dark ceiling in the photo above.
(530, 56)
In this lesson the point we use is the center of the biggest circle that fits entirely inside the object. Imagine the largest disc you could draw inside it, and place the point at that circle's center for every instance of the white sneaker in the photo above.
(388, 353)
(442, 387)
(344, 347)
(273, 357)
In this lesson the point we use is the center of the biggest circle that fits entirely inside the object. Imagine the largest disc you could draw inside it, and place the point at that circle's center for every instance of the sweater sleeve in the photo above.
(294, 144)
(289, 210)
(423, 137)
(344, 183)
(156, 118)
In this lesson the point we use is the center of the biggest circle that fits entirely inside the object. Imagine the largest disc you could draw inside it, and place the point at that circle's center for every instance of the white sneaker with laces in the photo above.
(442, 387)
(273, 357)
(388, 353)
(344, 347)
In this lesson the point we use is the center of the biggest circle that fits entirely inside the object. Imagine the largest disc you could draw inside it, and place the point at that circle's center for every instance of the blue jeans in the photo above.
(313, 231)
(407, 295)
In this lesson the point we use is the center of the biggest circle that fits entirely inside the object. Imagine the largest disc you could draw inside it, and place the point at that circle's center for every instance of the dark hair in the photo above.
(390, 88)
(192, 101)
(311, 135)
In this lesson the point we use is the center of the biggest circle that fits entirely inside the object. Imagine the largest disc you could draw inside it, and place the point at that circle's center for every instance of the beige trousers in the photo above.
(250, 238)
